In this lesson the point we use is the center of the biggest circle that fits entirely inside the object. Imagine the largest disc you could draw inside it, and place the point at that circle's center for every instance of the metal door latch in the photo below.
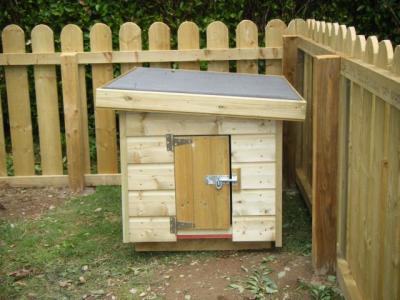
(220, 180)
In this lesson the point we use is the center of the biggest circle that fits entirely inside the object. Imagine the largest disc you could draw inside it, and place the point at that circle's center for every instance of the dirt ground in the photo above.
(31, 203)
(210, 278)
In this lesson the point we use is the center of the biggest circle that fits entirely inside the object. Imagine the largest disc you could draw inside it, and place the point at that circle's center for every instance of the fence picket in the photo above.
(159, 39)
(13, 38)
(72, 41)
(334, 35)
(380, 209)
(301, 27)
(217, 38)
(47, 104)
(392, 231)
(317, 29)
(348, 45)
(327, 34)
(130, 39)
(273, 38)
(247, 37)
(367, 187)
(106, 139)
(3, 154)
(188, 38)
(291, 28)
(341, 38)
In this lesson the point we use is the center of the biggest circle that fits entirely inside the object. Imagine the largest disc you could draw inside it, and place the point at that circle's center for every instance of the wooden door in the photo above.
(199, 205)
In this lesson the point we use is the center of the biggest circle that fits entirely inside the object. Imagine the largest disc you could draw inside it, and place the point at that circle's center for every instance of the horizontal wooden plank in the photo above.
(253, 228)
(243, 107)
(379, 82)
(150, 229)
(143, 56)
(151, 177)
(151, 203)
(160, 124)
(202, 245)
(59, 180)
(253, 203)
(142, 150)
(256, 175)
(253, 148)
(313, 48)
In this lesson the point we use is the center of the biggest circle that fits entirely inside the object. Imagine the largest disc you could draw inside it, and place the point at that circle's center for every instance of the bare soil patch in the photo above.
(29, 203)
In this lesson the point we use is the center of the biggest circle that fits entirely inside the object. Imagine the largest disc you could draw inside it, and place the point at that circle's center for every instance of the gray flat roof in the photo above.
(206, 83)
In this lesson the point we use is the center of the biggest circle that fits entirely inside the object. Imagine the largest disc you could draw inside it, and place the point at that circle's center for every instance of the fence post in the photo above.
(289, 69)
(326, 92)
(73, 121)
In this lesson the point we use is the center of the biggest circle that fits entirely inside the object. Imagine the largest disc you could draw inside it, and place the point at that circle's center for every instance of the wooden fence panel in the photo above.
(47, 104)
(19, 110)
(105, 120)
(130, 39)
(273, 38)
(159, 39)
(247, 37)
(188, 38)
(72, 41)
(217, 38)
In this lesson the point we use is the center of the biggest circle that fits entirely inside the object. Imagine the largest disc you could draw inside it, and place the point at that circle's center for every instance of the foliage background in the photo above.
(381, 18)
(369, 17)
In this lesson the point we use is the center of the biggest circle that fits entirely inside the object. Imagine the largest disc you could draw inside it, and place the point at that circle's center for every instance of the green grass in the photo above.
(296, 225)
(55, 247)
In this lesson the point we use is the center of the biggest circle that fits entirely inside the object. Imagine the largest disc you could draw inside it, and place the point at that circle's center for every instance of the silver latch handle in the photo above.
(220, 180)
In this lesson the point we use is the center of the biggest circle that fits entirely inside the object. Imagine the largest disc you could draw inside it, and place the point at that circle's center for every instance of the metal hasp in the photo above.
(220, 180)
(174, 225)
(173, 141)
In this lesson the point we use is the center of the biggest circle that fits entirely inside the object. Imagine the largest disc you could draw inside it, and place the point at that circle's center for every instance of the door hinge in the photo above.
(175, 225)
(173, 141)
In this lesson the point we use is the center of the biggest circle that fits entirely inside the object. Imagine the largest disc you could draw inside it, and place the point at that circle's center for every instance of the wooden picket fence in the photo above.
(352, 133)
(102, 58)
(344, 157)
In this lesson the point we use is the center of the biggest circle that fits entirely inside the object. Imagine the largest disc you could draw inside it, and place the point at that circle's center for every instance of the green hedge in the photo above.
(369, 17)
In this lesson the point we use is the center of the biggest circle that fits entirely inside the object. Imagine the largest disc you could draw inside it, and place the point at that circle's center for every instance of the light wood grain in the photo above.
(142, 150)
(273, 38)
(253, 202)
(13, 39)
(124, 177)
(278, 184)
(73, 122)
(47, 104)
(217, 38)
(159, 39)
(256, 175)
(150, 229)
(72, 41)
(253, 148)
(151, 177)
(3, 154)
(201, 104)
(105, 120)
(253, 228)
(188, 38)
(151, 203)
(130, 38)
(211, 206)
(247, 37)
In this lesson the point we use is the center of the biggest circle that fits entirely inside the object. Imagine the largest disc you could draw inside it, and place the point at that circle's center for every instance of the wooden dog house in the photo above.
(201, 157)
